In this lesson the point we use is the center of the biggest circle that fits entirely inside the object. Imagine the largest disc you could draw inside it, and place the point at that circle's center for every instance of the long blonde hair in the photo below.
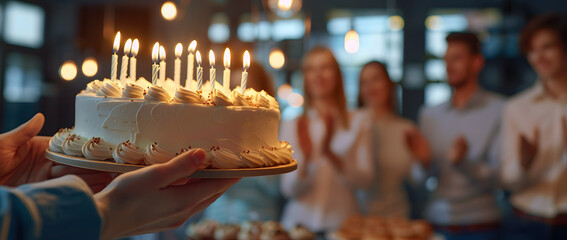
(338, 92)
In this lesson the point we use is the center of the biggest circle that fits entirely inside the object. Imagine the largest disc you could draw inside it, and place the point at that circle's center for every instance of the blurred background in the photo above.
(50, 50)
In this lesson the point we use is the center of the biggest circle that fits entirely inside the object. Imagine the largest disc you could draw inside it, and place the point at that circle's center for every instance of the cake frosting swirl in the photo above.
(224, 158)
(94, 86)
(184, 95)
(157, 93)
(97, 149)
(56, 142)
(155, 155)
(109, 89)
(239, 99)
(220, 98)
(73, 145)
(133, 90)
(250, 158)
(128, 153)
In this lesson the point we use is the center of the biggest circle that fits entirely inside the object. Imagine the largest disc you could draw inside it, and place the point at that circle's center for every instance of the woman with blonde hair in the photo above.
(331, 147)
(396, 142)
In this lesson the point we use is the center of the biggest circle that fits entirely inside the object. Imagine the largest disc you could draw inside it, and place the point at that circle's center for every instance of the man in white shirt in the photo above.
(534, 157)
(463, 134)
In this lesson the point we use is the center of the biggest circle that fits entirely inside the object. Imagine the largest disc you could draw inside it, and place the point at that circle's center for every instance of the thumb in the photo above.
(26, 131)
(177, 168)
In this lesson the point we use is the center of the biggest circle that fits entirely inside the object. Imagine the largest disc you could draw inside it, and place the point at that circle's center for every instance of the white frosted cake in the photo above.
(135, 122)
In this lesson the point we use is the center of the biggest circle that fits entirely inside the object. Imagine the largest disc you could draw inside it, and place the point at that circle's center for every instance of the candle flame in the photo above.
(128, 46)
(116, 45)
(211, 58)
(198, 56)
(178, 50)
(161, 53)
(155, 52)
(226, 58)
(192, 46)
(246, 61)
(135, 47)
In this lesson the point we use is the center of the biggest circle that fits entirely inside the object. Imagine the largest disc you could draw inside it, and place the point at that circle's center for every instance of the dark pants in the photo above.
(521, 228)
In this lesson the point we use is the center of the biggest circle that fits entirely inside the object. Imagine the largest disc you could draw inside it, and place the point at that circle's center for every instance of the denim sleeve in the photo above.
(61, 208)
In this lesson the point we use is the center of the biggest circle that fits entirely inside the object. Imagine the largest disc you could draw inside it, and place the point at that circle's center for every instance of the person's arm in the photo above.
(61, 208)
(359, 171)
(484, 171)
(422, 170)
(300, 181)
(513, 172)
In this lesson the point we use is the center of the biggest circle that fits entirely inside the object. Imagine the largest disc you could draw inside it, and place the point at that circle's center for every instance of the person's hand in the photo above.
(528, 149)
(146, 200)
(22, 158)
(329, 119)
(458, 150)
(418, 146)
(304, 143)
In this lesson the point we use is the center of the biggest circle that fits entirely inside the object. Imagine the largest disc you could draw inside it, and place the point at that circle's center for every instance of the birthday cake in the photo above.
(137, 122)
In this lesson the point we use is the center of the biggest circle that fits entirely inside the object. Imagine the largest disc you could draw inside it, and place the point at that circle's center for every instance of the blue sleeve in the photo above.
(61, 208)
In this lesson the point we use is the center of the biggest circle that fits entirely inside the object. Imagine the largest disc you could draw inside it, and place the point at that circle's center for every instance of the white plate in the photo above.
(108, 166)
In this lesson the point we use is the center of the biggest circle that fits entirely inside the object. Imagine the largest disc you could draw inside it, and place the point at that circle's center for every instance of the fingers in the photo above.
(177, 168)
(26, 131)
(175, 221)
(196, 192)
(62, 170)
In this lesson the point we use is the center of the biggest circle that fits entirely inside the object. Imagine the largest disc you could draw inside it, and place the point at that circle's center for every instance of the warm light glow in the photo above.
(226, 59)
(396, 23)
(295, 100)
(211, 58)
(178, 50)
(116, 45)
(169, 11)
(68, 70)
(433, 22)
(284, 91)
(135, 47)
(276, 58)
(285, 5)
(155, 52)
(198, 57)
(192, 46)
(90, 67)
(246, 60)
(128, 47)
(351, 42)
(161, 53)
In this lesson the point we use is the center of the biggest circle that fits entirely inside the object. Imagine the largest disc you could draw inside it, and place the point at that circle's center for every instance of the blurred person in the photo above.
(396, 144)
(252, 198)
(33, 207)
(464, 137)
(534, 156)
(331, 147)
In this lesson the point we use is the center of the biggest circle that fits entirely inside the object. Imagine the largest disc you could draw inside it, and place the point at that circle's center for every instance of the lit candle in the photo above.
(177, 69)
(161, 65)
(226, 72)
(125, 58)
(246, 63)
(213, 71)
(199, 71)
(114, 62)
(135, 48)
(155, 67)
(190, 63)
